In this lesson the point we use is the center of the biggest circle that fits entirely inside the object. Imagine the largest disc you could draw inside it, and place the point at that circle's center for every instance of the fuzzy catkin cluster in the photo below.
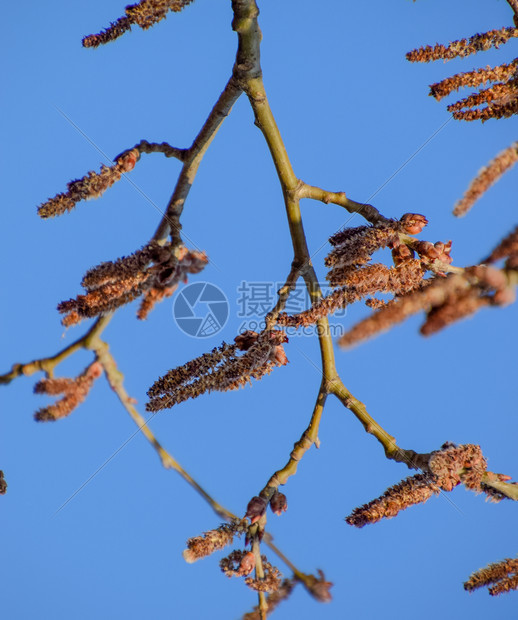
(453, 465)
(410, 491)
(144, 14)
(500, 577)
(74, 393)
(202, 546)
(92, 185)
(500, 100)
(153, 272)
(355, 246)
(501, 73)
(273, 599)
(463, 47)
(445, 301)
(487, 177)
(352, 276)
(447, 468)
(357, 284)
(239, 563)
(222, 369)
(271, 580)
(319, 587)
(508, 249)
(242, 563)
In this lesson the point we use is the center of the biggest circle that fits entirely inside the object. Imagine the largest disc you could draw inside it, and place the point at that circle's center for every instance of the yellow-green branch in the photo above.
(370, 213)
(308, 438)
(47, 364)
(191, 158)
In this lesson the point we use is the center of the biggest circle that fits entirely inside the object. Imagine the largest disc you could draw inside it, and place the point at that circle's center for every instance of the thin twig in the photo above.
(191, 158)
(116, 382)
(47, 364)
(412, 459)
(370, 213)
(156, 147)
(115, 379)
(308, 438)
(514, 5)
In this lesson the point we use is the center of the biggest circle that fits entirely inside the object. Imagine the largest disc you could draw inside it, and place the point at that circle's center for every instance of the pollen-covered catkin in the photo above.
(74, 393)
(500, 576)
(487, 177)
(145, 14)
(463, 47)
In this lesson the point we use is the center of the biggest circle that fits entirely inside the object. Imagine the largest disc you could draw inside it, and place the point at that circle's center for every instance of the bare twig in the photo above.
(47, 364)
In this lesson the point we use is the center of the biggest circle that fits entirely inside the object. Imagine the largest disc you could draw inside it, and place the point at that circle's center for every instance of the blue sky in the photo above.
(352, 112)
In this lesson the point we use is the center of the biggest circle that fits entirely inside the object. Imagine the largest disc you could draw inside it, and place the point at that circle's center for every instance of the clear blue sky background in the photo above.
(352, 111)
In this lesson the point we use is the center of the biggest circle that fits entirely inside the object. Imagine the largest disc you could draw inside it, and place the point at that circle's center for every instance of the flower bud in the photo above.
(401, 253)
(127, 162)
(255, 509)
(278, 503)
(444, 250)
(413, 223)
(247, 564)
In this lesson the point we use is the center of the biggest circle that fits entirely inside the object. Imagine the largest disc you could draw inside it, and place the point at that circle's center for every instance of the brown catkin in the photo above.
(356, 284)
(144, 14)
(497, 97)
(457, 307)
(151, 297)
(401, 308)
(93, 185)
(413, 490)
(106, 298)
(453, 465)
(154, 271)
(487, 177)
(238, 563)
(3, 483)
(271, 580)
(126, 266)
(507, 247)
(195, 368)
(74, 393)
(504, 574)
(115, 30)
(53, 386)
(473, 78)
(505, 585)
(221, 370)
(463, 47)
(319, 587)
(213, 540)
(273, 599)
(502, 110)
(354, 246)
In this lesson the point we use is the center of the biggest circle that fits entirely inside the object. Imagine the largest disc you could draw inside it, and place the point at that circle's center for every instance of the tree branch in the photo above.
(191, 158)
(370, 213)
(308, 438)
(116, 381)
(47, 364)
(413, 460)
(156, 147)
